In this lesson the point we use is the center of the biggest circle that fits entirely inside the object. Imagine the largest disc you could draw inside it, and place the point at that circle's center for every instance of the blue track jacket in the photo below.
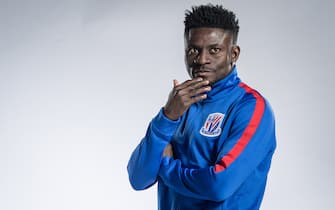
(222, 145)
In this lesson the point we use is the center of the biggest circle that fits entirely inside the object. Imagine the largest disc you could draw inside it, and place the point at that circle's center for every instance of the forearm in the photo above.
(241, 155)
(145, 161)
(207, 183)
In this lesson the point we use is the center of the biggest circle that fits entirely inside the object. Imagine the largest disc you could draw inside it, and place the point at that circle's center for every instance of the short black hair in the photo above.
(213, 16)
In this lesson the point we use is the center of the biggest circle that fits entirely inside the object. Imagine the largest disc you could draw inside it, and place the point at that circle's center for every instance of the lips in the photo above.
(201, 72)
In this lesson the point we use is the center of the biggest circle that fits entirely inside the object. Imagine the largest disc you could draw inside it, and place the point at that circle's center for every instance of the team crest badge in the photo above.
(212, 125)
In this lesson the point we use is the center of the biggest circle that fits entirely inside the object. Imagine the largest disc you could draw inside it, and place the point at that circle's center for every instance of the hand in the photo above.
(168, 151)
(184, 95)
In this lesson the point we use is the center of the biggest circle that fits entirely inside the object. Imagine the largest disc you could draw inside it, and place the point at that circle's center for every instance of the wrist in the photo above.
(166, 127)
(169, 114)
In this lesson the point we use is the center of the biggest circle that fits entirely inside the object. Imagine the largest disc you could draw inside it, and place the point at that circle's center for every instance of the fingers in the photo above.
(191, 92)
(187, 83)
(175, 83)
(200, 92)
(192, 88)
(168, 151)
(184, 95)
(198, 98)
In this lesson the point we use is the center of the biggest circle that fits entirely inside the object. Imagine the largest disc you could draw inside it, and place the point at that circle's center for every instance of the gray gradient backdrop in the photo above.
(80, 80)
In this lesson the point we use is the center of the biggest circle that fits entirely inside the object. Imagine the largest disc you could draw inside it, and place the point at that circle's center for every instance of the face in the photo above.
(210, 53)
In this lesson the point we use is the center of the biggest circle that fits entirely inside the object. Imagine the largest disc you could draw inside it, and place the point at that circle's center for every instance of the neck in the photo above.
(223, 86)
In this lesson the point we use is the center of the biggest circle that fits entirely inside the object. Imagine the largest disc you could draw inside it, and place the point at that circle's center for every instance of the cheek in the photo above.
(188, 61)
(188, 69)
(222, 62)
(229, 58)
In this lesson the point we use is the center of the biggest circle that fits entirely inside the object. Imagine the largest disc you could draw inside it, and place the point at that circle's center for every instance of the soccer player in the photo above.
(211, 145)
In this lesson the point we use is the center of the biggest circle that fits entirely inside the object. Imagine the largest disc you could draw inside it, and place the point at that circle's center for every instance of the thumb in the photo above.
(175, 83)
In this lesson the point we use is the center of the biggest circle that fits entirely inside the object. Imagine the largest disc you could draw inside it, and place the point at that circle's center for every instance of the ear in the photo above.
(235, 53)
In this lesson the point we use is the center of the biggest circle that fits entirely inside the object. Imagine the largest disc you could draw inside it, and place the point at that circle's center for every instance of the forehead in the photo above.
(207, 36)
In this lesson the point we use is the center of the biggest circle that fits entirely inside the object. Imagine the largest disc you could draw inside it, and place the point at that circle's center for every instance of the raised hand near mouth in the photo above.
(184, 95)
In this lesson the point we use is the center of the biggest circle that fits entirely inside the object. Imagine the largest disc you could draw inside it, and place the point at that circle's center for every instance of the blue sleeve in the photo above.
(145, 160)
(251, 140)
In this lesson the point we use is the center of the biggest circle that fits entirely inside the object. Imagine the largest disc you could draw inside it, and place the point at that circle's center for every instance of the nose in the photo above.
(202, 58)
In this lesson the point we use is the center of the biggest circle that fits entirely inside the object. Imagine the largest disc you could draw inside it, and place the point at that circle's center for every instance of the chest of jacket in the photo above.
(203, 130)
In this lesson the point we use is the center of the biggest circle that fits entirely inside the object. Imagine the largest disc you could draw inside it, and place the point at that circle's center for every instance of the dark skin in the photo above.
(210, 55)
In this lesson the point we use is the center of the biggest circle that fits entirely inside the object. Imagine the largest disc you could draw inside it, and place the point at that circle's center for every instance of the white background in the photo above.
(80, 81)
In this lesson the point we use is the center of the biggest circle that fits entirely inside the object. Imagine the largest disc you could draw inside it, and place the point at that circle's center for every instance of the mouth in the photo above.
(202, 72)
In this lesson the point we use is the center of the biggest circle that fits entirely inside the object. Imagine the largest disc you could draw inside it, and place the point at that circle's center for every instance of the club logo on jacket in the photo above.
(212, 125)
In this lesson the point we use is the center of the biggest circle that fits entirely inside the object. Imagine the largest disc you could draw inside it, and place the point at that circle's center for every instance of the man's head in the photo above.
(210, 42)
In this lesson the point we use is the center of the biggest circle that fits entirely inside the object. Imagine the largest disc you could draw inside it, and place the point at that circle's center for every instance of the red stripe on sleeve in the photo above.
(247, 133)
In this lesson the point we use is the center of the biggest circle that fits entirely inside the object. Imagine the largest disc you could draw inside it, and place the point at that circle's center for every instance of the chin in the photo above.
(209, 79)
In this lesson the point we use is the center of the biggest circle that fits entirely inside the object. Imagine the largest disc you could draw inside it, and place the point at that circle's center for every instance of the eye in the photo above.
(192, 51)
(214, 50)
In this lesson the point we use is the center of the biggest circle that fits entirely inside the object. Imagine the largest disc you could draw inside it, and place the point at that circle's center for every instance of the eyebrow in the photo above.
(210, 46)
(214, 45)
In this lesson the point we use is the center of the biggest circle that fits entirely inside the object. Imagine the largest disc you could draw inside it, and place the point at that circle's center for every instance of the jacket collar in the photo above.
(223, 87)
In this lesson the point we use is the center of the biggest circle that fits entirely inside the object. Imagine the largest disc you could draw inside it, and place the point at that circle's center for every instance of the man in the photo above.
(210, 146)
